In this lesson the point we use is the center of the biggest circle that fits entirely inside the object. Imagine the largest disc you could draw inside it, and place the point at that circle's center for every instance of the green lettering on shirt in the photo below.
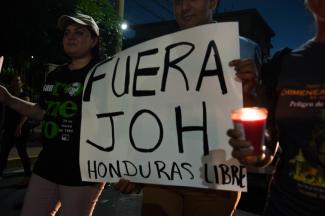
(65, 109)
(50, 130)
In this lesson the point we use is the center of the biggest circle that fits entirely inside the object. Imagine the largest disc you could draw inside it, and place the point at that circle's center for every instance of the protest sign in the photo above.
(158, 112)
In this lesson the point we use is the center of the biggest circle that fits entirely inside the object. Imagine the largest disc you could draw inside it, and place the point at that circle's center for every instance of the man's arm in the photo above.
(246, 71)
(22, 121)
(253, 95)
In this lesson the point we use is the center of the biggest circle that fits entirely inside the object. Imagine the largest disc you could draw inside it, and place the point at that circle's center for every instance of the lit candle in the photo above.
(251, 122)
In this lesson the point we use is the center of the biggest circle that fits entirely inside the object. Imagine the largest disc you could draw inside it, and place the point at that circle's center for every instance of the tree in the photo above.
(108, 21)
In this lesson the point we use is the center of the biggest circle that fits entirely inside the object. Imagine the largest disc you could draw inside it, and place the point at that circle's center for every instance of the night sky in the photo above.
(289, 19)
(291, 22)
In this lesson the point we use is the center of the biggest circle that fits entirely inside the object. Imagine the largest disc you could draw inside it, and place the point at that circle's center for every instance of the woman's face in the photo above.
(78, 41)
(318, 9)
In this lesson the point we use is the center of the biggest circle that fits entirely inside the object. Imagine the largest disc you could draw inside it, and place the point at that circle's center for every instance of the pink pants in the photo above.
(44, 198)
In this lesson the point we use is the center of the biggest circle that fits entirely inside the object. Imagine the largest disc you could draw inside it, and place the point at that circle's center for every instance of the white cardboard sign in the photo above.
(158, 112)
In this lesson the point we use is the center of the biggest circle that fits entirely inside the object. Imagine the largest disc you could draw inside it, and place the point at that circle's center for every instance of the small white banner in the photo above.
(158, 112)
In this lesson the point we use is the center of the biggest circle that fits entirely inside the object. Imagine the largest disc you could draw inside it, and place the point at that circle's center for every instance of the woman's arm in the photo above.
(25, 108)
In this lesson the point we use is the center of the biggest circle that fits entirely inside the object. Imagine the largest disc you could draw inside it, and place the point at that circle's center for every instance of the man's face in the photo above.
(16, 83)
(191, 13)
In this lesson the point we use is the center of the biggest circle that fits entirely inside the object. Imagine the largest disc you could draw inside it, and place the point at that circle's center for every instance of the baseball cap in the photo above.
(79, 18)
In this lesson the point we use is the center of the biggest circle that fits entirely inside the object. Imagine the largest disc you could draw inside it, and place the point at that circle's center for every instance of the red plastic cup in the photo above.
(251, 122)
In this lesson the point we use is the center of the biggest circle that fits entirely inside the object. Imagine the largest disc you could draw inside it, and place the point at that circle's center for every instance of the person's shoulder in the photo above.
(281, 53)
(301, 49)
(57, 71)
(272, 67)
(248, 41)
(309, 48)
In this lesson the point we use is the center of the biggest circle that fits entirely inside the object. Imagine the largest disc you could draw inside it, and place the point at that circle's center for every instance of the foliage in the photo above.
(107, 20)
(30, 38)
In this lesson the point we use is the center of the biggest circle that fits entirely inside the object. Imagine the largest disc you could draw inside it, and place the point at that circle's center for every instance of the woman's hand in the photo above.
(4, 95)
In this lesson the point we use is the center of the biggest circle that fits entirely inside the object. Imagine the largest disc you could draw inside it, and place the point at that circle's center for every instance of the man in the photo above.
(177, 201)
(191, 13)
(298, 183)
(15, 130)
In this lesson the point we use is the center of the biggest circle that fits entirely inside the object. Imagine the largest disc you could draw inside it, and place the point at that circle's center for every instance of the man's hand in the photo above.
(246, 71)
(126, 187)
(214, 158)
(242, 149)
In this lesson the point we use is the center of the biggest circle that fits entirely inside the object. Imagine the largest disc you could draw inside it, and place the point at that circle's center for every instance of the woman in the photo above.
(56, 180)
(298, 123)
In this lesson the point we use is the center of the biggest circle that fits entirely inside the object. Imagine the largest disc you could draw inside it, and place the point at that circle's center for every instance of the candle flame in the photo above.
(249, 114)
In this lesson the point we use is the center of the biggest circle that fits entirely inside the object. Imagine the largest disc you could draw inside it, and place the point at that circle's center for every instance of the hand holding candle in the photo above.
(251, 123)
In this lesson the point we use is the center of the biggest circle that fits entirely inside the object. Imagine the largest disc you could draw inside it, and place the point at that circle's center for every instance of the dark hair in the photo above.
(95, 51)
(13, 77)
